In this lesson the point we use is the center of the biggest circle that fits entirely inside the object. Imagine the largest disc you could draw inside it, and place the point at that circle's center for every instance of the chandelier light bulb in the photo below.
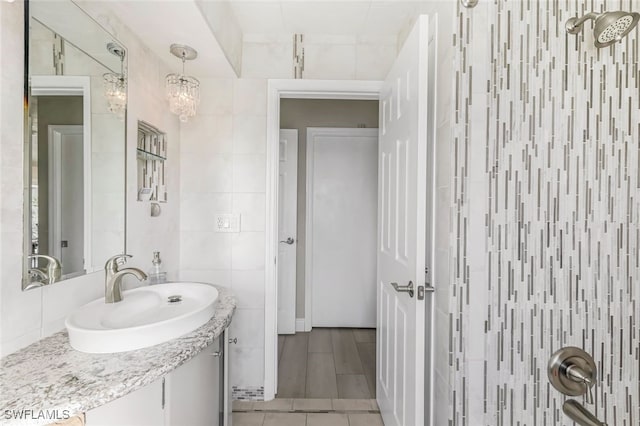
(115, 84)
(183, 92)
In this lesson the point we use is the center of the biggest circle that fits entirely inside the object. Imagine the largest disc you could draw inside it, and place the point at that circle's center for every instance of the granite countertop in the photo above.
(50, 375)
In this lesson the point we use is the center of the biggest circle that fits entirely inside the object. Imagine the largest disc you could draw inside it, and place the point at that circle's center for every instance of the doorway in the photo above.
(327, 248)
(284, 90)
(327, 213)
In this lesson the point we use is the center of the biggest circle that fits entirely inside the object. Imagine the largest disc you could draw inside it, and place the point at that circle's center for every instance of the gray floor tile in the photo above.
(364, 335)
(277, 404)
(327, 419)
(320, 340)
(248, 419)
(240, 405)
(353, 386)
(284, 419)
(292, 369)
(365, 420)
(312, 404)
(321, 376)
(352, 404)
(345, 352)
(367, 352)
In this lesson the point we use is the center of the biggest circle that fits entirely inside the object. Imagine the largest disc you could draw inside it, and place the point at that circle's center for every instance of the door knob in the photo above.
(404, 288)
(289, 241)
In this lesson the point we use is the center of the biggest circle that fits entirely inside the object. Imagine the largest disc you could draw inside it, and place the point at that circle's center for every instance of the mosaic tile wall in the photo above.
(250, 393)
(546, 232)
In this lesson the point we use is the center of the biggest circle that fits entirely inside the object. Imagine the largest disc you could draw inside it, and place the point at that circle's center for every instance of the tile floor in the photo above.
(307, 412)
(327, 363)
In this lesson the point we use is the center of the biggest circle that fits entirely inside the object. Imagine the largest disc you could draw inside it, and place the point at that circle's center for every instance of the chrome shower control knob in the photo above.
(573, 372)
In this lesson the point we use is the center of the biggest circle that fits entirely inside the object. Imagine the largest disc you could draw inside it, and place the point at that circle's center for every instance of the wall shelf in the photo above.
(151, 153)
(141, 154)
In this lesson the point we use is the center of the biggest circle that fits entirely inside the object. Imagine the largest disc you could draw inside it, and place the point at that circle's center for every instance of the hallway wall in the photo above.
(546, 211)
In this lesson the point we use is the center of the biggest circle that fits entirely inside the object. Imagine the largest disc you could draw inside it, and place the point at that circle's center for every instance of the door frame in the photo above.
(276, 90)
(292, 327)
(55, 132)
(308, 254)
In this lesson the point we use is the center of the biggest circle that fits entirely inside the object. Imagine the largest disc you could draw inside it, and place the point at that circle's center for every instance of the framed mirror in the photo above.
(75, 140)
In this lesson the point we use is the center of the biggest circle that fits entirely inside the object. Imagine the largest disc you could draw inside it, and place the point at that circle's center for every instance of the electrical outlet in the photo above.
(227, 222)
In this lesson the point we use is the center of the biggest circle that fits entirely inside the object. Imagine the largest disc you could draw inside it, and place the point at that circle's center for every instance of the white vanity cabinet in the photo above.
(140, 408)
(193, 394)
(192, 390)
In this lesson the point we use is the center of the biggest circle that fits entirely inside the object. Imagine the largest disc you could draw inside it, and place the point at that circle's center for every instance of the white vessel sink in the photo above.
(146, 316)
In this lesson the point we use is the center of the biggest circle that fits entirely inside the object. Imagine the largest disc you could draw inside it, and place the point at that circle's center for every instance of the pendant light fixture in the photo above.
(183, 92)
(115, 85)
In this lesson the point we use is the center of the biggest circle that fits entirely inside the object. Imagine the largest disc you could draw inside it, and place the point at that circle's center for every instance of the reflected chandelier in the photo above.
(183, 92)
(115, 85)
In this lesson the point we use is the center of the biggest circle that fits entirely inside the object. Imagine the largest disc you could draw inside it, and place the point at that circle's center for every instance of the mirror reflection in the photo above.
(74, 144)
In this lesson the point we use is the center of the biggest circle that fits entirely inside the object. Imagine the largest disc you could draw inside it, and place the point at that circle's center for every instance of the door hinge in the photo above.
(163, 392)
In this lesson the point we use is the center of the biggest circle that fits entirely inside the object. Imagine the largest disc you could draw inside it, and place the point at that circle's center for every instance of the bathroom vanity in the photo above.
(182, 381)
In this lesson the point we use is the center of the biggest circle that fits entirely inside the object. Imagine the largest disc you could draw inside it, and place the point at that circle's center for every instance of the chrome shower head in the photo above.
(609, 27)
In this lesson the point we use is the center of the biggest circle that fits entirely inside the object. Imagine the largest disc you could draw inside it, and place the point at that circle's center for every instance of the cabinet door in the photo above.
(193, 390)
(141, 408)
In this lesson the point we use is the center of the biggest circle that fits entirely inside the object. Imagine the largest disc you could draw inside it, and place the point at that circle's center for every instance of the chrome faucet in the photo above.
(579, 414)
(113, 277)
(38, 274)
(53, 270)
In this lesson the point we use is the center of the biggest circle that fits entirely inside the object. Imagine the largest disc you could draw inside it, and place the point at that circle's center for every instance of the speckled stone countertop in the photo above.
(50, 375)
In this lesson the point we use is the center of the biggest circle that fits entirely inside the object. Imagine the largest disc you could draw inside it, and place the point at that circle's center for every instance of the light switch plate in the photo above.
(227, 222)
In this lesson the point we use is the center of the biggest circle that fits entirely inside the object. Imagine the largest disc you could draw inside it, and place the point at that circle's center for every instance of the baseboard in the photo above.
(300, 325)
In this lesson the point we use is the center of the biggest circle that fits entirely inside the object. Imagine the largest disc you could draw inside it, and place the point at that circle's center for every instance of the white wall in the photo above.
(27, 316)
(223, 170)
(325, 57)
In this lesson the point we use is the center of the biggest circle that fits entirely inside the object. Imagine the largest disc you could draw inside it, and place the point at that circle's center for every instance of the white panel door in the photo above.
(66, 198)
(402, 233)
(342, 197)
(287, 230)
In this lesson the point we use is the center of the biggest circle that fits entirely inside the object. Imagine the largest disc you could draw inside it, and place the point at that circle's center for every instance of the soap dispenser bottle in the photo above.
(156, 274)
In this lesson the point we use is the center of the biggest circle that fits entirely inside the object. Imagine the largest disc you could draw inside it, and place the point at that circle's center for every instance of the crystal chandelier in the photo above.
(115, 85)
(183, 92)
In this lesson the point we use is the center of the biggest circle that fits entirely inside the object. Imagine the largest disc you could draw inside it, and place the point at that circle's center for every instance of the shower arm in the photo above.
(574, 25)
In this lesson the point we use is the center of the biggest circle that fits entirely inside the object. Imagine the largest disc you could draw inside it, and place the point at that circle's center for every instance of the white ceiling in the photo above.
(162, 22)
(350, 18)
